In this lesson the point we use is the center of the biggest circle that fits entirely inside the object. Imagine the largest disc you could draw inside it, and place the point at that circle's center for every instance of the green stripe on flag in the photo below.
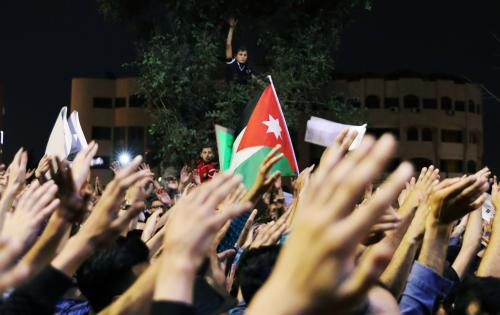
(249, 168)
(225, 140)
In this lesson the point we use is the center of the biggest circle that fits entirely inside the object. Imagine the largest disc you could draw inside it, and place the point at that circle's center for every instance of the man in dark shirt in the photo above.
(237, 69)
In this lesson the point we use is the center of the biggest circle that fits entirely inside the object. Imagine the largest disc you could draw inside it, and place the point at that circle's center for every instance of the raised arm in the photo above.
(229, 41)
(449, 201)
(408, 236)
(470, 244)
(489, 266)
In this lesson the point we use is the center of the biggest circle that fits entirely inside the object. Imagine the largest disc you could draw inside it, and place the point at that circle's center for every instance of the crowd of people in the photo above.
(340, 241)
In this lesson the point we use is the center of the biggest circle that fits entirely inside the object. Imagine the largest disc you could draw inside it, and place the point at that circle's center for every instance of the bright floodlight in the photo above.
(124, 158)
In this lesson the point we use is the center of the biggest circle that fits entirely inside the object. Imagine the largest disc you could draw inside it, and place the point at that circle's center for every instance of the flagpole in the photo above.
(281, 111)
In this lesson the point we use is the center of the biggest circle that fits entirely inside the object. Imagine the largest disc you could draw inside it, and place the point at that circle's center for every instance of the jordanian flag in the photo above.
(263, 127)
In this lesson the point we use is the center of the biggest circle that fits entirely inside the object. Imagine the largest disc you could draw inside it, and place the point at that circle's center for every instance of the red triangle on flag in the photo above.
(267, 127)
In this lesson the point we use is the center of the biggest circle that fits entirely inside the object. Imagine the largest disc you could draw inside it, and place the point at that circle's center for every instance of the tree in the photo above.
(181, 44)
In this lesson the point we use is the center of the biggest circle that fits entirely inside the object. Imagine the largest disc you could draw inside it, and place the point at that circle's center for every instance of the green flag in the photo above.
(225, 140)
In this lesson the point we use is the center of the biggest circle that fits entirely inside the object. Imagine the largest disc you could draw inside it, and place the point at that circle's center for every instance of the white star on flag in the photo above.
(273, 126)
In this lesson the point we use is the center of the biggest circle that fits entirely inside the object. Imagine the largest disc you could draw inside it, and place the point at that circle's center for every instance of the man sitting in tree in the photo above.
(237, 69)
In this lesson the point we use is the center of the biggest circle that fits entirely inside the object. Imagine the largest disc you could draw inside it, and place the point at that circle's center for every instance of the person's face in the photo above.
(206, 154)
(172, 183)
(241, 56)
(157, 205)
(276, 208)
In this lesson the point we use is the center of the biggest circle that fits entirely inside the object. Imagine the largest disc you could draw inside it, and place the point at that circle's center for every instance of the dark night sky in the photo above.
(46, 43)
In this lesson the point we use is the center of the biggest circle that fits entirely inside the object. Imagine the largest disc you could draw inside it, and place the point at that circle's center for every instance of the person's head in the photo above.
(170, 178)
(241, 55)
(254, 268)
(277, 206)
(477, 295)
(206, 154)
(110, 271)
(157, 205)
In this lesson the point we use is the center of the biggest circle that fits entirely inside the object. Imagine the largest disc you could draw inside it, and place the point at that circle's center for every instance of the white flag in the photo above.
(323, 132)
(66, 138)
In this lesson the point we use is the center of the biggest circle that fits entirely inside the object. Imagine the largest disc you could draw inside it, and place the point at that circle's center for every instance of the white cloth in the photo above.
(66, 138)
(323, 132)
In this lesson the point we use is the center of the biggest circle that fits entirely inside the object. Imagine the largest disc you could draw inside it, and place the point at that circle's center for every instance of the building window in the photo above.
(451, 166)
(136, 138)
(427, 134)
(478, 108)
(103, 102)
(119, 138)
(460, 106)
(101, 133)
(120, 102)
(354, 102)
(377, 132)
(136, 101)
(473, 137)
(446, 103)
(429, 103)
(412, 134)
(471, 107)
(411, 102)
(420, 163)
(454, 136)
(391, 103)
(372, 101)
(471, 166)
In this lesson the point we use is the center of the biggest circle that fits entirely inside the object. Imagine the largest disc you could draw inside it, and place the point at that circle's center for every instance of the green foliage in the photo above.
(180, 68)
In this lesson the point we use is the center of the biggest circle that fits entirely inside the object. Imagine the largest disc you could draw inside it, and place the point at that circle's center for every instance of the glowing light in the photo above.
(124, 158)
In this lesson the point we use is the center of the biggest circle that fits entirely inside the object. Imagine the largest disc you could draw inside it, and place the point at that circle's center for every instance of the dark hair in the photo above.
(254, 268)
(152, 198)
(481, 290)
(108, 272)
(241, 48)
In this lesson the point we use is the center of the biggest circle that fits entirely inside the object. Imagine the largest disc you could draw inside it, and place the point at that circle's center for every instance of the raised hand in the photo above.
(246, 229)
(320, 249)
(263, 181)
(389, 221)
(81, 164)
(104, 225)
(232, 22)
(232, 198)
(115, 167)
(186, 175)
(43, 166)
(418, 190)
(34, 207)
(343, 142)
(17, 171)
(29, 174)
(196, 213)
(453, 198)
(97, 191)
(192, 226)
(269, 234)
(3, 178)
(73, 205)
(217, 271)
(142, 189)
